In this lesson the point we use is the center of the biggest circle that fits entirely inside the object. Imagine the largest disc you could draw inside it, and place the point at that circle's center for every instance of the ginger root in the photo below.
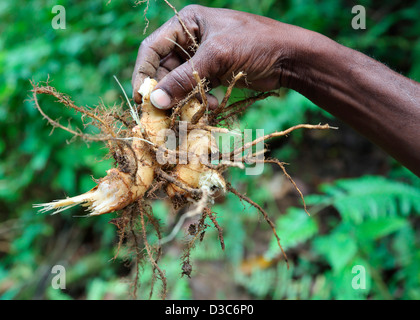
(118, 189)
(199, 145)
(192, 179)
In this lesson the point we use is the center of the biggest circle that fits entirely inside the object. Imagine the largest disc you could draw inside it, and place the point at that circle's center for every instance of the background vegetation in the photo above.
(365, 206)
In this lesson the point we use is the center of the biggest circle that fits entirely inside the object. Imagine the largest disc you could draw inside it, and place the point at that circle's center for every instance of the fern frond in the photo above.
(368, 197)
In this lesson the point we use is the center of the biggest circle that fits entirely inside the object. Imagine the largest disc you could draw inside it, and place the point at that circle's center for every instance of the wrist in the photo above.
(308, 61)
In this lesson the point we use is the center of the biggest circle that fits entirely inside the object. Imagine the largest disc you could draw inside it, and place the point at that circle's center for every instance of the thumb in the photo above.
(178, 83)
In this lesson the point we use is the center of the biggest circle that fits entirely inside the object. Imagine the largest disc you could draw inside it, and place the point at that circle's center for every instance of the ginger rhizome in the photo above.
(118, 189)
(199, 144)
(137, 138)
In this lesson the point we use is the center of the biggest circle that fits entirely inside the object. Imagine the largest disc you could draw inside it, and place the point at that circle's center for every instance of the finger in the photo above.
(212, 101)
(152, 50)
(167, 64)
(181, 81)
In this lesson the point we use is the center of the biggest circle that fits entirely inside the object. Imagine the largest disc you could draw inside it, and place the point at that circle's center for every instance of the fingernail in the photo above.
(160, 99)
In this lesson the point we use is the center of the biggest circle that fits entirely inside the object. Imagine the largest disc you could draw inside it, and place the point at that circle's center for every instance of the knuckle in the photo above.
(191, 15)
(219, 51)
(190, 9)
(183, 80)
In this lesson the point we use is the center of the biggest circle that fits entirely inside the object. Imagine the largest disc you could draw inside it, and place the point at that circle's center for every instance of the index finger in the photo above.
(153, 49)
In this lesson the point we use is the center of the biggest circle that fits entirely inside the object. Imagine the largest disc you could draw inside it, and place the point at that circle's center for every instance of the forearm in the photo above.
(376, 101)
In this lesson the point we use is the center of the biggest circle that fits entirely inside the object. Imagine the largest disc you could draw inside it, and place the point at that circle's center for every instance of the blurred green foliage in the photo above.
(365, 207)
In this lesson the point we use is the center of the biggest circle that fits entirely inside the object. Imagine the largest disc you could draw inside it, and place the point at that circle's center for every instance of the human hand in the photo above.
(229, 42)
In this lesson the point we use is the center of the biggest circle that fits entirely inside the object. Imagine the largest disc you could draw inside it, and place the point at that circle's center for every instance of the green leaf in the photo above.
(375, 229)
(339, 247)
(369, 197)
(293, 228)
